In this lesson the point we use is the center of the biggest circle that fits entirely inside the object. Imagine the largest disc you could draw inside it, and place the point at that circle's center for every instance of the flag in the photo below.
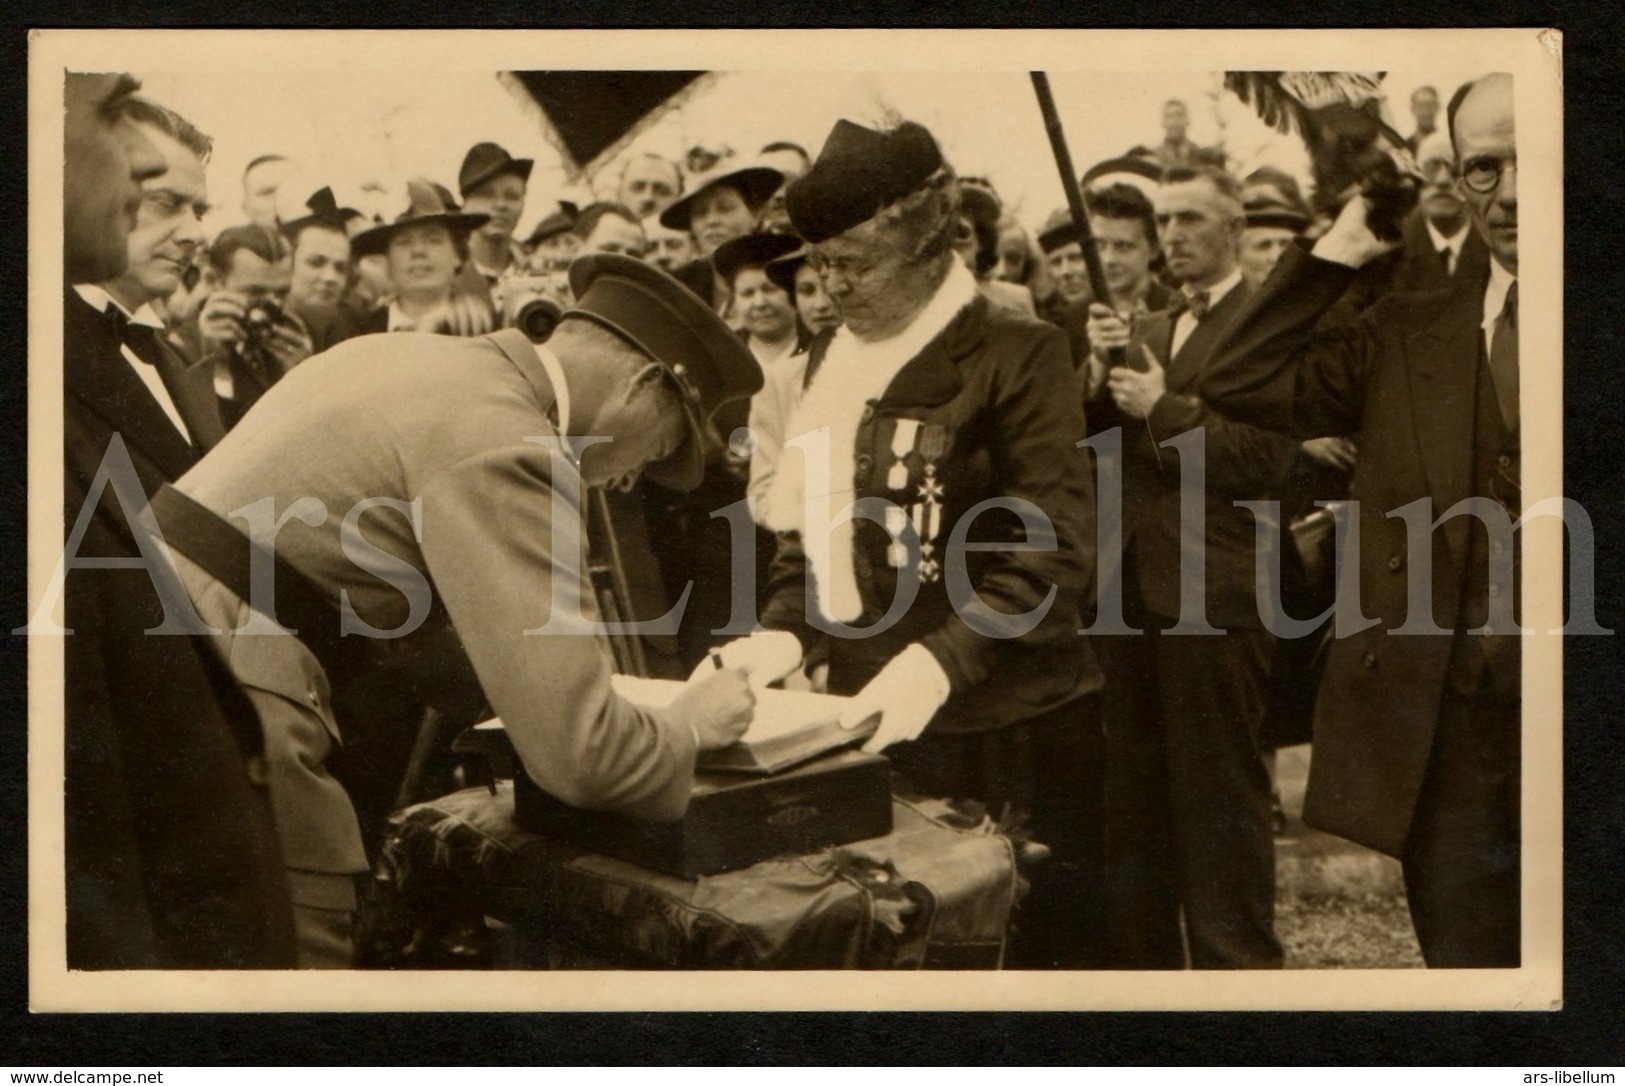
(590, 116)
(1351, 144)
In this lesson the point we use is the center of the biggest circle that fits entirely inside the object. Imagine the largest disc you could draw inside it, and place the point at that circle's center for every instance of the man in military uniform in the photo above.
(421, 485)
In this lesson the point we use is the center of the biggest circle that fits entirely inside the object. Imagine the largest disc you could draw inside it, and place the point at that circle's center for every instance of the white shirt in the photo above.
(98, 299)
(1451, 244)
(1495, 299)
(1186, 324)
(401, 321)
(561, 391)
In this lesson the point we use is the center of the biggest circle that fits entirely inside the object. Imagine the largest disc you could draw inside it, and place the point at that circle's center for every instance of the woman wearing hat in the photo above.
(952, 421)
(815, 309)
(772, 330)
(772, 407)
(425, 248)
(722, 203)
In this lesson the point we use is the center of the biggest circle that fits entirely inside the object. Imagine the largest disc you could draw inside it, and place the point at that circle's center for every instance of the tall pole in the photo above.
(1074, 199)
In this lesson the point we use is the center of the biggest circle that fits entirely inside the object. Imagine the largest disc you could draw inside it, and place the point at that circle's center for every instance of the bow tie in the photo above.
(140, 338)
(117, 322)
(1197, 304)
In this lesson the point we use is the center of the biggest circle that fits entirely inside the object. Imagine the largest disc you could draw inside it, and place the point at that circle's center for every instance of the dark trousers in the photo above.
(1141, 857)
(1188, 801)
(1461, 856)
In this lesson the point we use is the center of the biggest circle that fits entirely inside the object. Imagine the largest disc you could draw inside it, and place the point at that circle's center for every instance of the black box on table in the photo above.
(733, 821)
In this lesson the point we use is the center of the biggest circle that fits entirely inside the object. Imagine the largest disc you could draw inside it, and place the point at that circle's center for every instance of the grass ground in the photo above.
(1338, 906)
(1347, 933)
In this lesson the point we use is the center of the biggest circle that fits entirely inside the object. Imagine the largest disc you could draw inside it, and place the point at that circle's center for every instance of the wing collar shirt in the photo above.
(99, 300)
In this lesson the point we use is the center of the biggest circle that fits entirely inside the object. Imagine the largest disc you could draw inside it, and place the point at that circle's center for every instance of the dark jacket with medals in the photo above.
(989, 409)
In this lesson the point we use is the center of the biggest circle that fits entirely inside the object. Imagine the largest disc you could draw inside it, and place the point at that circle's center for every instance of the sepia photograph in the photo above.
(1036, 517)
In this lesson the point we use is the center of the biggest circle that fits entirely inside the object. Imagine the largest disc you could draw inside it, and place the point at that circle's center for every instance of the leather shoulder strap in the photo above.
(226, 554)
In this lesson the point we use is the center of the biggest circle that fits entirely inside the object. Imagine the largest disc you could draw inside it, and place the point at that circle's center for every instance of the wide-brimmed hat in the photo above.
(754, 182)
(668, 322)
(1129, 170)
(859, 172)
(552, 225)
(752, 250)
(427, 202)
(1058, 231)
(782, 270)
(485, 161)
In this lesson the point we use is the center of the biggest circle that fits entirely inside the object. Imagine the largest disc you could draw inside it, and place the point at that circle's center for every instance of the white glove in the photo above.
(906, 694)
(767, 655)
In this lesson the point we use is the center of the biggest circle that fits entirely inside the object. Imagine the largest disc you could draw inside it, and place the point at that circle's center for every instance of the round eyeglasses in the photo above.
(1483, 174)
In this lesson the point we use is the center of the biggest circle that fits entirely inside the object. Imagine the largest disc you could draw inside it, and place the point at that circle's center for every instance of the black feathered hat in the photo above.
(859, 172)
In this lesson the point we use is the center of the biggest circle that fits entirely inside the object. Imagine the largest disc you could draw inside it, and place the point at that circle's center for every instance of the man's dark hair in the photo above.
(587, 221)
(301, 228)
(786, 145)
(1430, 90)
(1222, 180)
(268, 245)
(1450, 111)
(1123, 201)
(260, 161)
(171, 124)
(1180, 102)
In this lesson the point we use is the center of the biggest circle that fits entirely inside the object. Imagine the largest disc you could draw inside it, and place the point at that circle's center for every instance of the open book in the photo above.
(790, 726)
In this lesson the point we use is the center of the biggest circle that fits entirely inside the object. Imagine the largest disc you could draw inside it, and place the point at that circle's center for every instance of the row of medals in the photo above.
(930, 440)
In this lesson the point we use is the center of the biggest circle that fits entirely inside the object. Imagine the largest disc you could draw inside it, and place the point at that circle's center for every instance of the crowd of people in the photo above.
(783, 334)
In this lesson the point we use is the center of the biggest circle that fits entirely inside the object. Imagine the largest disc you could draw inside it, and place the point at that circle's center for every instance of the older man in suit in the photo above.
(167, 239)
(1417, 736)
(171, 856)
(1440, 247)
(423, 495)
(1188, 792)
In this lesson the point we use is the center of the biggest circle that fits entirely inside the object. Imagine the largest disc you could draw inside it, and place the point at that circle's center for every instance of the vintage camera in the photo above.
(260, 321)
(534, 304)
(537, 318)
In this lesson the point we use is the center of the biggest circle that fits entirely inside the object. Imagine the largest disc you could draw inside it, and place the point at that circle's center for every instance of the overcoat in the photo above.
(1403, 382)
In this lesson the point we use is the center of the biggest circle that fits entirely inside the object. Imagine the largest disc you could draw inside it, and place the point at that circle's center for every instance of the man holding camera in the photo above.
(243, 330)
